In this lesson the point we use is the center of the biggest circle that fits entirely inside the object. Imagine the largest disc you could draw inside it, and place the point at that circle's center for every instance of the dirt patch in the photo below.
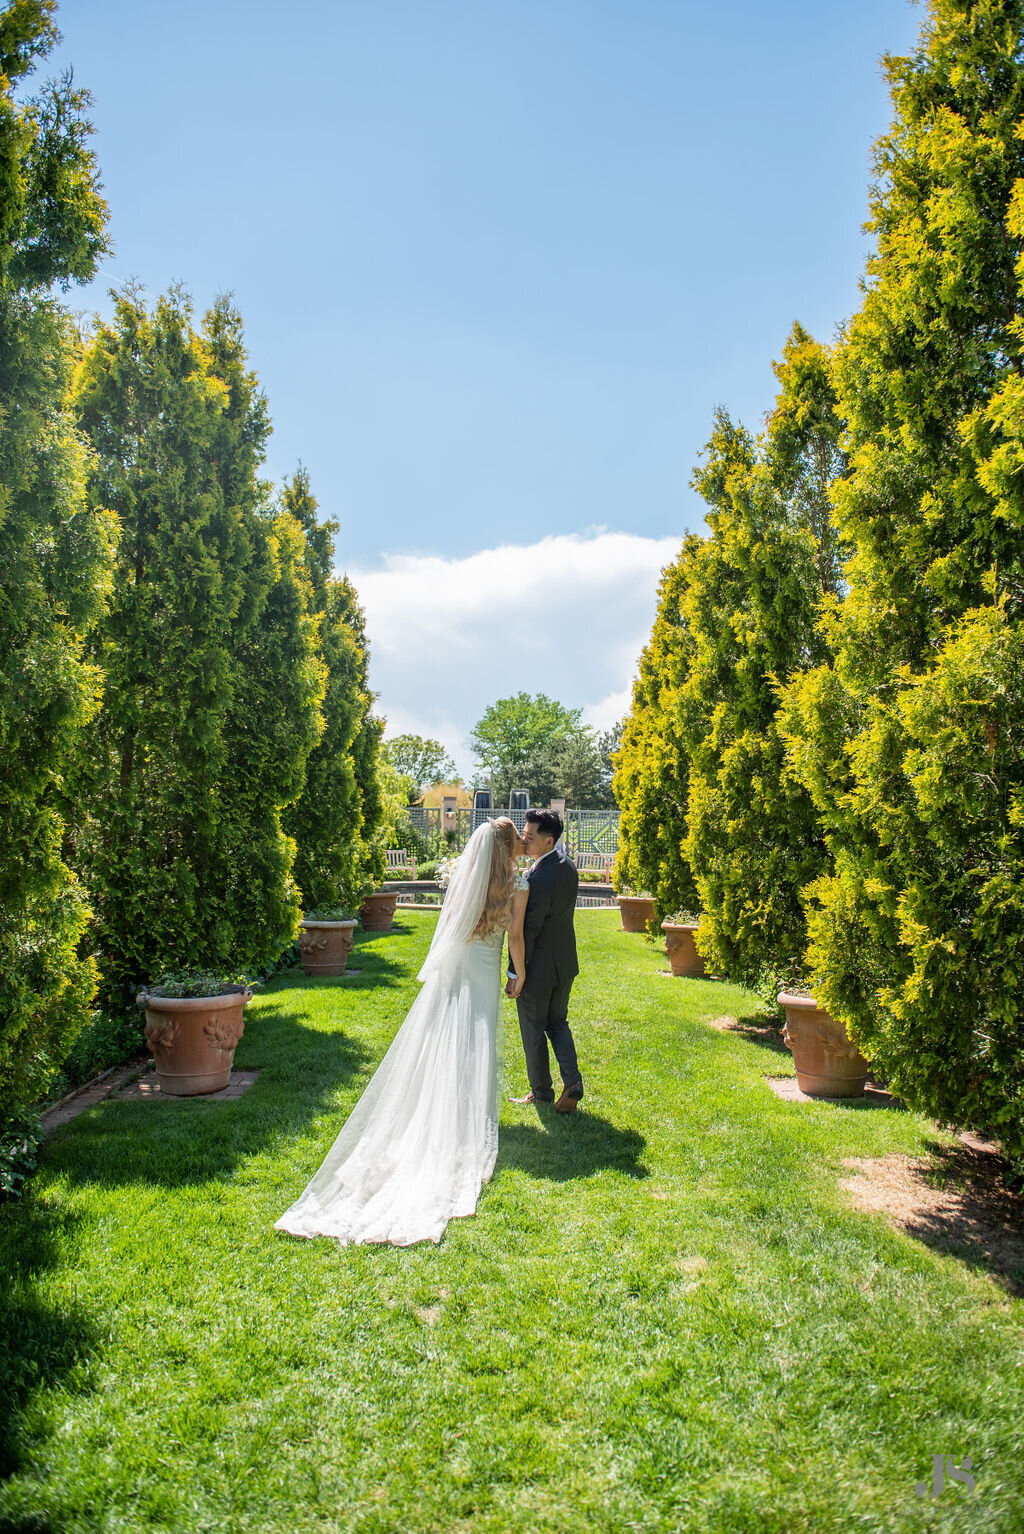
(957, 1200)
(758, 1028)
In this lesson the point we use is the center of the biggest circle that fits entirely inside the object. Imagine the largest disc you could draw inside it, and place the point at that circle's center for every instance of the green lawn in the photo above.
(665, 1315)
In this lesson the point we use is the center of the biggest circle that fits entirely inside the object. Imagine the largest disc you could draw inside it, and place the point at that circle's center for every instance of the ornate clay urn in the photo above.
(377, 912)
(682, 949)
(827, 1063)
(324, 946)
(637, 911)
(192, 1039)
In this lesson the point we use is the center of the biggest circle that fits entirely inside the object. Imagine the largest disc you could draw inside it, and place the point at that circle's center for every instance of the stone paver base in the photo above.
(148, 1086)
(786, 1088)
(93, 1092)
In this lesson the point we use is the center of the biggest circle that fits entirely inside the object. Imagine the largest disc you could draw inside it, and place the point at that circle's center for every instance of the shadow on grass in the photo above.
(40, 1345)
(29, 1523)
(174, 1142)
(374, 970)
(561, 1148)
(971, 1211)
(756, 1027)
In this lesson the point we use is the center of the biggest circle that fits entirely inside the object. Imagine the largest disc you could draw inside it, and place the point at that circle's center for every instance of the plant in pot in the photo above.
(326, 935)
(636, 910)
(376, 907)
(193, 1025)
(680, 931)
(828, 1063)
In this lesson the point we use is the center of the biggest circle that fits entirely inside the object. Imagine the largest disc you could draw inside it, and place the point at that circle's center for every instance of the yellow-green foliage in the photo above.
(210, 654)
(330, 822)
(651, 765)
(911, 744)
(55, 556)
(754, 596)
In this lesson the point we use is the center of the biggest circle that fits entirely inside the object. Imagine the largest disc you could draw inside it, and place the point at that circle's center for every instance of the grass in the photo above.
(665, 1315)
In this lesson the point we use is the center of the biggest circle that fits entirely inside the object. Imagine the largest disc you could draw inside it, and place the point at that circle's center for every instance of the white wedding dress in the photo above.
(423, 1138)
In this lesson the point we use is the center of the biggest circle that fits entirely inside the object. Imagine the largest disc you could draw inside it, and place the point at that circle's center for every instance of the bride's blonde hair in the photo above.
(497, 911)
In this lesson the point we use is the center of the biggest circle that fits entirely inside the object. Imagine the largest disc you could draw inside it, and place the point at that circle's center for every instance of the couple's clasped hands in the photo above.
(513, 986)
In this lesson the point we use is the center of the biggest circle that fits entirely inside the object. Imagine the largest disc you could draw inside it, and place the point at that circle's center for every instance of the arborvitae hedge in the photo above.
(55, 556)
(911, 743)
(754, 596)
(331, 824)
(209, 652)
(651, 764)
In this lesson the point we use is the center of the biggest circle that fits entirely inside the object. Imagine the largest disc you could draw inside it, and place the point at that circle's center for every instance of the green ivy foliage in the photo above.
(911, 742)
(652, 764)
(332, 822)
(55, 558)
(209, 653)
(754, 597)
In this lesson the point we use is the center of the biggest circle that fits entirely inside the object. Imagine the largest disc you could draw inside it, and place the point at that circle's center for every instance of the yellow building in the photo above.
(432, 797)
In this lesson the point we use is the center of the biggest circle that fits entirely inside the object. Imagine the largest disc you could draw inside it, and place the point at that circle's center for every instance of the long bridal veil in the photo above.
(423, 1137)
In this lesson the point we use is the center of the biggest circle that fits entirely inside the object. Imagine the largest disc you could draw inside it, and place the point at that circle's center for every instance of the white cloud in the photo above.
(567, 616)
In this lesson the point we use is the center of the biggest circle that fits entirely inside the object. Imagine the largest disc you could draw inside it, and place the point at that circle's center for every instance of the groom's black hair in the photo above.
(548, 822)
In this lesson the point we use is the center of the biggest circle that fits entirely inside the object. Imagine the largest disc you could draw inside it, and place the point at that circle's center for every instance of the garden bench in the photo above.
(595, 862)
(399, 862)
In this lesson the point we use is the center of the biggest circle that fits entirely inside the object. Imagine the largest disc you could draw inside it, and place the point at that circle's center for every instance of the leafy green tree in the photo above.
(608, 743)
(327, 820)
(755, 593)
(515, 740)
(209, 653)
(651, 782)
(55, 554)
(575, 769)
(911, 742)
(422, 761)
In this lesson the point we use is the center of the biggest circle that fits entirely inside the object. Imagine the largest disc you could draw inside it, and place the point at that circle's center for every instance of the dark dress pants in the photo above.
(542, 1016)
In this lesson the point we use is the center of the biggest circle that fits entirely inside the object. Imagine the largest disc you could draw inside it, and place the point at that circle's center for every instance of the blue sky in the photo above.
(497, 264)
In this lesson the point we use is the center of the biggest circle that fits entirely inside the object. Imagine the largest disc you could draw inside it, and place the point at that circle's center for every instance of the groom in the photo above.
(551, 966)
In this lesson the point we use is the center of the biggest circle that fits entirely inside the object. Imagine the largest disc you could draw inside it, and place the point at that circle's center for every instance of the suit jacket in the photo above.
(549, 938)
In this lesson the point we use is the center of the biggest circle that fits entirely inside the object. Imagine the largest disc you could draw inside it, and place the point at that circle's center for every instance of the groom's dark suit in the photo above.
(549, 940)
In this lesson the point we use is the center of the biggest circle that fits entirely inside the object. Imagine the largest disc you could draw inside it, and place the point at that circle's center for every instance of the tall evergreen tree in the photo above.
(209, 652)
(333, 820)
(651, 782)
(754, 597)
(55, 552)
(911, 743)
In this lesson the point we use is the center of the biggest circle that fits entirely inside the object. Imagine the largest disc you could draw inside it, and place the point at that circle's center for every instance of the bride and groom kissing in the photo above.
(423, 1137)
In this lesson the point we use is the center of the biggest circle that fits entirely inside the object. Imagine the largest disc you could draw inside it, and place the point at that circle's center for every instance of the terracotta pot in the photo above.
(827, 1064)
(192, 1039)
(637, 911)
(377, 911)
(681, 948)
(324, 946)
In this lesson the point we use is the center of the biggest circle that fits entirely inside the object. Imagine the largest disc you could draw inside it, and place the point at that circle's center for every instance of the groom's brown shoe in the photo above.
(569, 1098)
(531, 1097)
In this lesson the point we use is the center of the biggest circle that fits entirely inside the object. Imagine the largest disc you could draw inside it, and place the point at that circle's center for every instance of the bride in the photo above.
(423, 1137)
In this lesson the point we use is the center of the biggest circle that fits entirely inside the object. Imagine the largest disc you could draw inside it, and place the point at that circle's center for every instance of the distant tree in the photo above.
(422, 761)
(608, 743)
(576, 769)
(515, 741)
(55, 556)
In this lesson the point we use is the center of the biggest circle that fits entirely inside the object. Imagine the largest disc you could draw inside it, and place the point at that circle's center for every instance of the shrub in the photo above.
(752, 603)
(55, 568)
(209, 655)
(910, 742)
(652, 762)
